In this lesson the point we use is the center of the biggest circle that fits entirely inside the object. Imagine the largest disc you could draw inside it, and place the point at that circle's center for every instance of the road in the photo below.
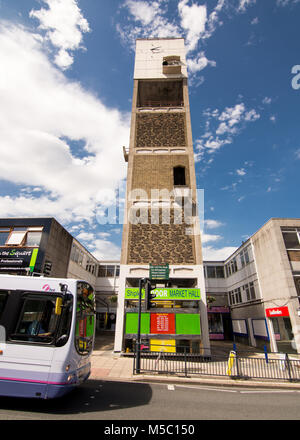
(113, 401)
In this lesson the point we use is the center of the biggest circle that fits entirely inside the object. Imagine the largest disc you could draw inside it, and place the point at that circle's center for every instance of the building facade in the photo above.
(161, 223)
(34, 245)
(262, 279)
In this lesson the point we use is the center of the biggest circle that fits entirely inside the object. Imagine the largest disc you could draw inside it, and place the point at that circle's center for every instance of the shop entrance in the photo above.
(283, 334)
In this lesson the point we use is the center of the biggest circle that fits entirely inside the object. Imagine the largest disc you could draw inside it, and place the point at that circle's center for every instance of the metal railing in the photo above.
(235, 365)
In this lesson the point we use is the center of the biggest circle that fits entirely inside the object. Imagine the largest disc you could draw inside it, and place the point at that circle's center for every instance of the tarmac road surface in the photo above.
(116, 401)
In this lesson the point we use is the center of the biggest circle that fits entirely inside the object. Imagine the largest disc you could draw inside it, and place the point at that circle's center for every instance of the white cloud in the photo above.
(252, 115)
(255, 21)
(64, 25)
(44, 117)
(212, 224)
(143, 11)
(244, 4)
(217, 254)
(107, 250)
(206, 238)
(199, 63)
(148, 22)
(193, 20)
(273, 118)
(297, 153)
(85, 236)
(286, 2)
(241, 172)
(267, 100)
(230, 122)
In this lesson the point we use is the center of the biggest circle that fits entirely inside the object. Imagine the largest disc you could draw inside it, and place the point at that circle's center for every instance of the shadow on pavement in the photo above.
(92, 396)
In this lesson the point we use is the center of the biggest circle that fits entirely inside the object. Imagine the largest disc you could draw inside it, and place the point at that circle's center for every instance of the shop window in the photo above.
(179, 176)
(215, 323)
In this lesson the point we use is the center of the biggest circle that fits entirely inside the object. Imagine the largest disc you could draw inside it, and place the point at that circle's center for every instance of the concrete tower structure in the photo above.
(161, 217)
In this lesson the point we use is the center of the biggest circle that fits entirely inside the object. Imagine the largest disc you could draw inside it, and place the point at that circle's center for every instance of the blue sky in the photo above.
(66, 80)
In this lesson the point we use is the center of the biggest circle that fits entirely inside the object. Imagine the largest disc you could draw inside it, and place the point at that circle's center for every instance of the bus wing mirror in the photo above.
(58, 306)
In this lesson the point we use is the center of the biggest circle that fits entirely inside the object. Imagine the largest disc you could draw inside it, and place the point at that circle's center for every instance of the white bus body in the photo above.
(45, 365)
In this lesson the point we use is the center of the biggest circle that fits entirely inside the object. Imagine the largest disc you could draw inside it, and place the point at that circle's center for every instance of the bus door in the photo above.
(85, 318)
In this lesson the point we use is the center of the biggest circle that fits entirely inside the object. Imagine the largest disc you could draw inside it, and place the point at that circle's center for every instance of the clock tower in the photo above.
(161, 226)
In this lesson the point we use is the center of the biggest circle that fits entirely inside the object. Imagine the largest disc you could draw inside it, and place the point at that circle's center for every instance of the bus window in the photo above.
(38, 321)
(85, 318)
(3, 299)
(65, 323)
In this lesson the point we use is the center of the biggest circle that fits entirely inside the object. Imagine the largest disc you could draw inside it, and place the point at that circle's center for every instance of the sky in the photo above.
(66, 83)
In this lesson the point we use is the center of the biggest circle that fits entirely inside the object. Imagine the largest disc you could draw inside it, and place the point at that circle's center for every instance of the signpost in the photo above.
(160, 272)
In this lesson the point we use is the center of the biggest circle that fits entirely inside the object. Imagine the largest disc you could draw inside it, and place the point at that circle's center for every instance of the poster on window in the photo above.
(162, 323)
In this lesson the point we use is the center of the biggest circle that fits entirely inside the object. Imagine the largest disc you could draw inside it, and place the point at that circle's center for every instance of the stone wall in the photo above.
(160, 130)
(156, 171)
(160, 243)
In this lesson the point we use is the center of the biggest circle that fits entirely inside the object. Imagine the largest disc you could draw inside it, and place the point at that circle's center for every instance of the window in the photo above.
(76, 255)
(179, 176)
(106, 271)
(238, 295)
(16, 238)
(231, 267)
(249, 290)
(3, 299)
(220, 271)
(215, 271)
(33, 238)
(38, 321)
(215, 323)
(110, 271)
(4, 233)
(235, 296)
(211, 271)
(244, 257)
(291, 240)
(85, 318)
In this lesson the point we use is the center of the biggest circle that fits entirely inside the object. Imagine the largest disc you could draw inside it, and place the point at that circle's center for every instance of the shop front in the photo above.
(219, 323)
(279, 318)
(173, 325)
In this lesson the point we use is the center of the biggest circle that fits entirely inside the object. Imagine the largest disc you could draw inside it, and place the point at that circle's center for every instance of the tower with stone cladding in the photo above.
(161, 224)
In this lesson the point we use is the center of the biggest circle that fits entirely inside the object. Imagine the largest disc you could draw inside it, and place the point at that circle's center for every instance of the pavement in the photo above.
(108, 365)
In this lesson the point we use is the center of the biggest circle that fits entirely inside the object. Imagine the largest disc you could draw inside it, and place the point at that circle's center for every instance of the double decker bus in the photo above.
(47, 328)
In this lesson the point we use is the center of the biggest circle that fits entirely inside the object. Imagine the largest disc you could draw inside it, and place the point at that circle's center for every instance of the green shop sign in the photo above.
(165, 293)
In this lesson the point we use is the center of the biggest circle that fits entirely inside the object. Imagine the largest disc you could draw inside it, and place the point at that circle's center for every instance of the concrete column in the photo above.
(120, 310)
